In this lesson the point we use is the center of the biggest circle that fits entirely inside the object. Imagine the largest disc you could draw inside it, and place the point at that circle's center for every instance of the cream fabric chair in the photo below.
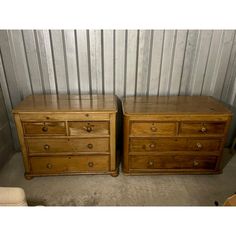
(12, 196)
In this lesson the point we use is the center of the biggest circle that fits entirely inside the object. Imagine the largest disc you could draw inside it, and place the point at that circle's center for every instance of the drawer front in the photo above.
(207, 145)
(173, 144)
(64, 145)
(88, 128)
(173, 162)
(56, 116)
(153, 128)
(202, 128)
(157, 145)
(69, 164)
(44, 128)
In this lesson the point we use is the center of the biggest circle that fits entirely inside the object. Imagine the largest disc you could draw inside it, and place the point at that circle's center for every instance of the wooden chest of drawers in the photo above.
(63, 134)
(176, 134)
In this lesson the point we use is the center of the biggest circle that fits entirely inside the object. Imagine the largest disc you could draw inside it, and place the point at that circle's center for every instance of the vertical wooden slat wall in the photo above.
(121, 62)
(6, 141)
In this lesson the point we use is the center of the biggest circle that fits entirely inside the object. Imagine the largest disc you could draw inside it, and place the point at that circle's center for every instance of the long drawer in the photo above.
(66, 145)
(173, 144)
(64, 164)
(172, 162)
(52, 116)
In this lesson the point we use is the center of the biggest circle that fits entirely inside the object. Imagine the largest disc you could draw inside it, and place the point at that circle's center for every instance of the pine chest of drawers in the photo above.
(63, 134)
(175, 134)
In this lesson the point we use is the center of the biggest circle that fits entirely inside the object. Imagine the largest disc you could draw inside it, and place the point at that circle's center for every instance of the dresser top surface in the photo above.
(173, 105)
(68, 103)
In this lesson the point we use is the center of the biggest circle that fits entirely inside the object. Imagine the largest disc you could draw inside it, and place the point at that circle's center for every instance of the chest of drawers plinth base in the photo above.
(67, 135)
(174, 135)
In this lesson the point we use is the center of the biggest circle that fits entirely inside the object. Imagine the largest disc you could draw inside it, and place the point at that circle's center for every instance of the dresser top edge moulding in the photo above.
(67, 103)
(171, 105)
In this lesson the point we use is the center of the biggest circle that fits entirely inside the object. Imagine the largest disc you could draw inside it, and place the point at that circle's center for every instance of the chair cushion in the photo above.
(12, 196)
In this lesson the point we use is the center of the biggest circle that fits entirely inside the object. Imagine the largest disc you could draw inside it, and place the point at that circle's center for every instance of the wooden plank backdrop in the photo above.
(6, 140)
(121, 62)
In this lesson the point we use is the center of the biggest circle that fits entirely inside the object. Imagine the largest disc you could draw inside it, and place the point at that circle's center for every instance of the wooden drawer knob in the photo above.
(150, 163)
(195, 163)
(90, 164)
(199, 146)
(152, 145)
(49, 166)
(154, 129)
(90, 145)
(88, 128)
(46, 147)
(203, 129)
(45, 129)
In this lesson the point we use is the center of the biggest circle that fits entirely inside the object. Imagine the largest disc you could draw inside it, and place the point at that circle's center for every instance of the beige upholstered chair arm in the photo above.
(12, 196)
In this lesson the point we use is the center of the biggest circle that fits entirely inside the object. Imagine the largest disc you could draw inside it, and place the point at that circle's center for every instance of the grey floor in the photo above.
(103, 190)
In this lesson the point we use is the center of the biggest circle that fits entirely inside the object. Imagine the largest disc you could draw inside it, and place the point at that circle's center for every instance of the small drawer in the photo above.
(173, 162)
(44, 128)
(202, 128)
(67, 164)
(88, 128)
(153, 128)
(64, 145)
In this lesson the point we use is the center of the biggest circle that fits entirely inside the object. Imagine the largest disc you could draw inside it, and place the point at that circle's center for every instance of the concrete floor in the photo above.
(104, 190)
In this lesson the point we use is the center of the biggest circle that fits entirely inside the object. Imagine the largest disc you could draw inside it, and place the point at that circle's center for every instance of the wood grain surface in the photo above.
(67, 134)
(174, 134)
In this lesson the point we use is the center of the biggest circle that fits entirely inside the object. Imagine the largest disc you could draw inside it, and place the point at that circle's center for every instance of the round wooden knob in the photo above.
(49, 166)
(203, 130)
(90, 164)
(195, 163)
(199, 145)
(46, 147)
(89, 129)
(45, 129)
(151, 163)
(153, 129)
(90, 145)
(152, 145)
